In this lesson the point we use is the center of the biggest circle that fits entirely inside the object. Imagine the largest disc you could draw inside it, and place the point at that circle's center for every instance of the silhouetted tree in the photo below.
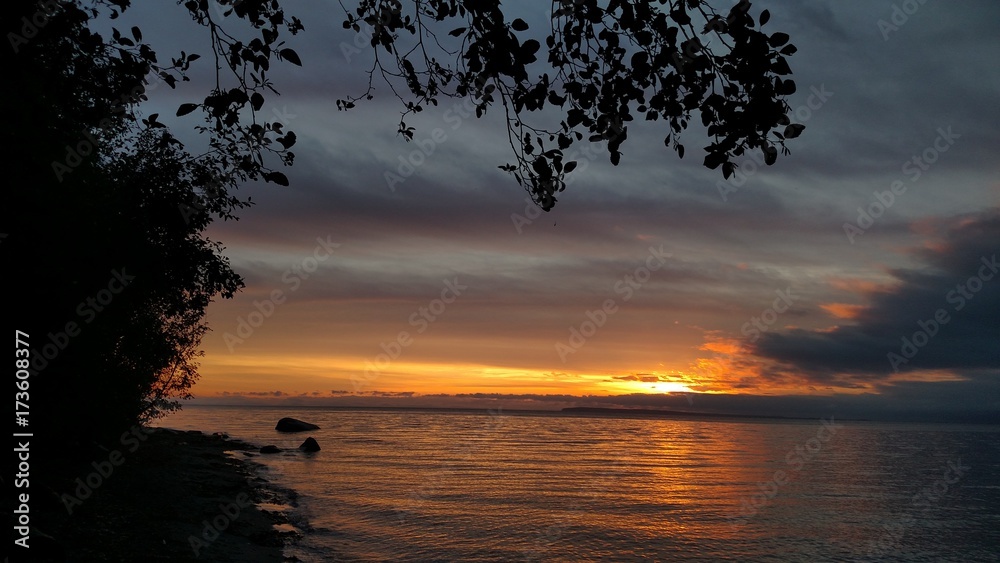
(104, 221)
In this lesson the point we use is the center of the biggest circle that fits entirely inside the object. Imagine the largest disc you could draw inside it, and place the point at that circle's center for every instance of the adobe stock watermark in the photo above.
(215, 188)
(912, 169)
(755, 326)
(103, 469)
(626, 288)
(31, 26)
(531, 212)
(468, 450)
(958, 298)
(579, 509)
(421, 319)
(923, 501)
(796, 459)
(409, 163)
(228, 513)
(77, 154)
(87, 310)
(755, 161)
(900, 15)
(293, 277)
(454, 116)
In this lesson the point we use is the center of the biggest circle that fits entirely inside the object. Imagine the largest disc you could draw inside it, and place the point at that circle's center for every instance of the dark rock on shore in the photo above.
(294, 425)
(310, 445)
(270, 450)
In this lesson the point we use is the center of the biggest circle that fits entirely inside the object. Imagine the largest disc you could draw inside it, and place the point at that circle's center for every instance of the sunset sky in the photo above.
(752, 286)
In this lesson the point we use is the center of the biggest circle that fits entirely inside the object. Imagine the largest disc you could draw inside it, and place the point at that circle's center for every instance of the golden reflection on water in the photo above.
(433, 486)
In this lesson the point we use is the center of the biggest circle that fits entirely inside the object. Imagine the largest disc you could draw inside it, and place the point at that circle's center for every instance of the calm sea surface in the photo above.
(488, 486)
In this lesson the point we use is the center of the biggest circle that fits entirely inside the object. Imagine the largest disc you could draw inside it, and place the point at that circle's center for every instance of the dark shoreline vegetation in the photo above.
(175, 494)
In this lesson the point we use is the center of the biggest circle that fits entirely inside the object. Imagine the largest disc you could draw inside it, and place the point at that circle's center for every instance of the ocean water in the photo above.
(394, 485)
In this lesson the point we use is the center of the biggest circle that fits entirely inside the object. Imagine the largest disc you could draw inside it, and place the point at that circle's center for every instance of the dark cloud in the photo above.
(943, 315)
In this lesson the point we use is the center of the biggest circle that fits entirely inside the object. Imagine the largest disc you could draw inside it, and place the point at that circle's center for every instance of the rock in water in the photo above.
(310, 445)
(294, 425)
(270, 450)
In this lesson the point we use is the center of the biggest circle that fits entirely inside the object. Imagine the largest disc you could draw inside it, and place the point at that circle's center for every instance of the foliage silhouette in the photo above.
(106, 222)
(603, 65)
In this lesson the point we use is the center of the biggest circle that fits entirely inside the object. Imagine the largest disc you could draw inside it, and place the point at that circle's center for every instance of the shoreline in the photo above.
(178, 497)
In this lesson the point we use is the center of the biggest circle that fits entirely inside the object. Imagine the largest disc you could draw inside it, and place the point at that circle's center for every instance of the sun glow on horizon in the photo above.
(242, 374)
(721, 365)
